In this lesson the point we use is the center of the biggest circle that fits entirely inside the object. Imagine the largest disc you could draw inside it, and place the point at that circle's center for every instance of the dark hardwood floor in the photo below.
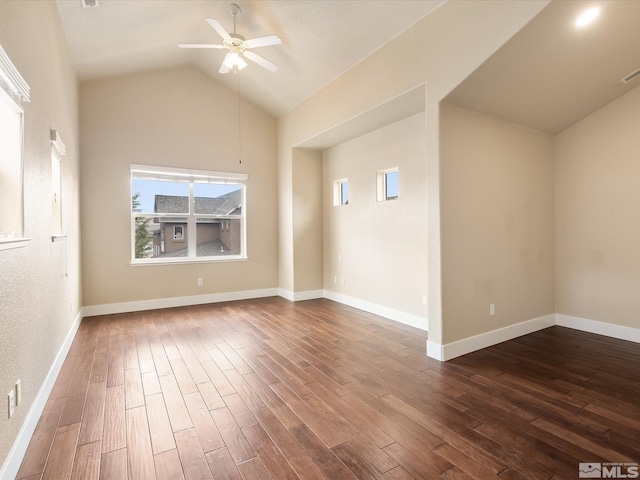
(272, 389)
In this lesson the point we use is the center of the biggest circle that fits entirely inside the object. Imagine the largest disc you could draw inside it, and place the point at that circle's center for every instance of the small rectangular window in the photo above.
(387, 185)
(391, 185)
(58, 150)
(186, 215)
(340, 192)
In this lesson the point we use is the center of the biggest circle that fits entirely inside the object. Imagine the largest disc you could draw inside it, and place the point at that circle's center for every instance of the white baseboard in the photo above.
(137, 306)
(471, 344)
(300, 296)
(601, 328)
(478, 342)
(390, 313)
(435, 351)
(14, 459)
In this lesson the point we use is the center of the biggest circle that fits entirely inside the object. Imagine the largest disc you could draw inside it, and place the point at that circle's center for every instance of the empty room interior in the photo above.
(370, 239)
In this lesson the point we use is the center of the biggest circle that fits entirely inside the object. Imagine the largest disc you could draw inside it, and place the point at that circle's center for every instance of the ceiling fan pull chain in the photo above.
(239, 122)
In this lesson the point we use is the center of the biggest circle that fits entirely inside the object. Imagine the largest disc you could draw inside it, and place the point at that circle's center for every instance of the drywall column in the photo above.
(285, 217)
(307, 223)
(434, 262)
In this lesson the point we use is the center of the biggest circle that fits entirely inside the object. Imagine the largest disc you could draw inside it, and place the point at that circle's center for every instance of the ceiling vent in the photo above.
(631, 76)
(89, 3)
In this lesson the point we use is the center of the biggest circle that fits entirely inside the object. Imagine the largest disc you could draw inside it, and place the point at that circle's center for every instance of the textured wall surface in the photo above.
(597, 204)
(40, 283)
(381, 245)
(496, 190)
(173, 118)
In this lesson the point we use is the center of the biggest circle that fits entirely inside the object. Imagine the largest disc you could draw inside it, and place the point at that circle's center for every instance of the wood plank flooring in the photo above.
(269, 389)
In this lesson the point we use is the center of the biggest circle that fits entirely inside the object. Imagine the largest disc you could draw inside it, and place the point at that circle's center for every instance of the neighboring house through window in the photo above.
(186, 215)
(13, 92)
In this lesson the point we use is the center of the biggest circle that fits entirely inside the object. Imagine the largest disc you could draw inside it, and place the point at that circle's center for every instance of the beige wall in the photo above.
(496, 191)
(597, 212)
(177, 118)
(439, 51)
(40, 283)
(382, 245)
(307, 214)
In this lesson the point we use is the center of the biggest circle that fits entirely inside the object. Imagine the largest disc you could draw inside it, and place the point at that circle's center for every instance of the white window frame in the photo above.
(58, 151)
(14, 91)
(148, 172)
(179, 236)
(381, 184)
(338, 196)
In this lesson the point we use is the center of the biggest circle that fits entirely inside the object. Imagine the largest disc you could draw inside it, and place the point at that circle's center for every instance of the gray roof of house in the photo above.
(227, 204)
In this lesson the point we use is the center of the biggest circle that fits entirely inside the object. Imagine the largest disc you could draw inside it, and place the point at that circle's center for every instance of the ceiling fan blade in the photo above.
(218, 28)
(263, 62)
(199, 45)
(263, 41)
(223, 67)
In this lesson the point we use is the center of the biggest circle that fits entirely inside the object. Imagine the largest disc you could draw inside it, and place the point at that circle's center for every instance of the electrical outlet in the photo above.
(335, 280)
(200, 282)
(339, 258)
(424, 299)
(12, 403)
(492, 309)
(341, 280)
(18, 392)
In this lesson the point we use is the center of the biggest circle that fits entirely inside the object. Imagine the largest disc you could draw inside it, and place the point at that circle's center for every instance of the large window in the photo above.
(180, 215)
(13, 92)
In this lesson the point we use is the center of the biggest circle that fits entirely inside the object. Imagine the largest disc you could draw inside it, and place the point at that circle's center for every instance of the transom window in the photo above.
(341, 192)
(58, 150)
(387, 184)
(180, 215)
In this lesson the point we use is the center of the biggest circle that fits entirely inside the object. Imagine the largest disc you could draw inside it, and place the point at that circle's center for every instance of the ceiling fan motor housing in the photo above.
(235, 43)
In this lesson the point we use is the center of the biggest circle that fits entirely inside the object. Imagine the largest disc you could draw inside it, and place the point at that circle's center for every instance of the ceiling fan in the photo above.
(238, 47)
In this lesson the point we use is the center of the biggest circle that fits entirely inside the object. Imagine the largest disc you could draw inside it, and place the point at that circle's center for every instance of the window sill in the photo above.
(57, 238)
(7, 243)
(183, 261)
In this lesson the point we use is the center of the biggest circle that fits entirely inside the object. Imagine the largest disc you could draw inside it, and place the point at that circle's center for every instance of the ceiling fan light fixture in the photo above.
(234, 60)
(239, 47)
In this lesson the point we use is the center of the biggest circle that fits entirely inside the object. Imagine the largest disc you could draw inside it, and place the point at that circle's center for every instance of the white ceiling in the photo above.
(321, 39)
(550, 74)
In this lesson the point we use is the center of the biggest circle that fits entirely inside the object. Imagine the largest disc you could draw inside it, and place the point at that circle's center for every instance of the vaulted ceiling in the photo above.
(548, 76)
(321, 39)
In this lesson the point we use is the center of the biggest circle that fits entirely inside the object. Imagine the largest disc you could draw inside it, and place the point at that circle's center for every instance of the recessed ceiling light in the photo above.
(587, 17)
